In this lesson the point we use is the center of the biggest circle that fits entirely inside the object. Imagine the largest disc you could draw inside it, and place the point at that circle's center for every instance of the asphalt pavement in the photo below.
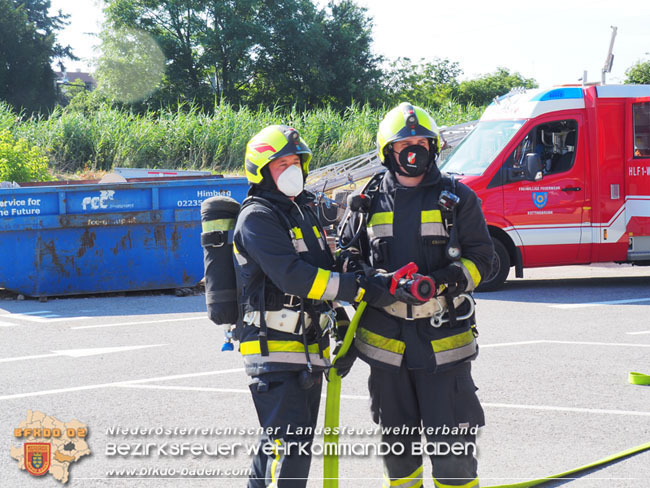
(146, 369)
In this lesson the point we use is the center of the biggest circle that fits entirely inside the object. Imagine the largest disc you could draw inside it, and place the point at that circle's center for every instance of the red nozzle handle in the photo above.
(405, 271)
(416, 288)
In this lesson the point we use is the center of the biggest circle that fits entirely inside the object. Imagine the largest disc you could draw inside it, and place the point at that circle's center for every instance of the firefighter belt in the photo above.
(284, 320)
(437, 306)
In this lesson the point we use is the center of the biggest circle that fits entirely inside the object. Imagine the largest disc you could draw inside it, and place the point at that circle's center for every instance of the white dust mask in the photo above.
(290, 182)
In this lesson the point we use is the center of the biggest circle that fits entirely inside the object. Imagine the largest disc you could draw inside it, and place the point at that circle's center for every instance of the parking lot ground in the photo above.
(556, 349)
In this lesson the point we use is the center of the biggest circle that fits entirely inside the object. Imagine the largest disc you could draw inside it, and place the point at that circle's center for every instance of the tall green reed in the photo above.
(103, 137)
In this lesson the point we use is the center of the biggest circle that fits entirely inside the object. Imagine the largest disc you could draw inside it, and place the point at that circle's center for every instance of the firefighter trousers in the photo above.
(288, 414)
(411, 402)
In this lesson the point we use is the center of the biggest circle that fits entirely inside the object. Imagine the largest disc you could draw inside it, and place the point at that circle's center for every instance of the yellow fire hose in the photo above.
(333, 404)
(566, 474)
(638, 378)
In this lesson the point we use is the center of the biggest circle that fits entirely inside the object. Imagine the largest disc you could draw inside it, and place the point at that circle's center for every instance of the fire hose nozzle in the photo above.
(421, 287)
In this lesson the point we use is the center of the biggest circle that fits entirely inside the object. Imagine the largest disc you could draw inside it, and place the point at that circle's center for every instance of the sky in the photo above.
(553, 41)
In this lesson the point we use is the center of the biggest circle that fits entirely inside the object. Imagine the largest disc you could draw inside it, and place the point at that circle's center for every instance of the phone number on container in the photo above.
(189, 203)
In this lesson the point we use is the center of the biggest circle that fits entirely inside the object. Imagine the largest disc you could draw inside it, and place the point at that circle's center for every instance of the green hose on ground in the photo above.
(568, 474)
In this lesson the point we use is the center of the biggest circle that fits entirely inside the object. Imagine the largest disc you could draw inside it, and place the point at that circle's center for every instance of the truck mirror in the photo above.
(533, 167)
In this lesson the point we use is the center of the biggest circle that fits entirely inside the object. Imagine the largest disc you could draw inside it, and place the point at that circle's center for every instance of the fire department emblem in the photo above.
(540, 198)
(411, 158)
(37, 458)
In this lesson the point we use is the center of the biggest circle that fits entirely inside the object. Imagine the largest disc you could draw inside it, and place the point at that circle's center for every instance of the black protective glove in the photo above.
(342, 323)
(344, 364)
(403, 295)
(376, 288)
(350, 262)
(453, 277)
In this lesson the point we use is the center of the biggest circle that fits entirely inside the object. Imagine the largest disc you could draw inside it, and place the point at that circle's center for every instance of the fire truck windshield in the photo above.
(475, 153)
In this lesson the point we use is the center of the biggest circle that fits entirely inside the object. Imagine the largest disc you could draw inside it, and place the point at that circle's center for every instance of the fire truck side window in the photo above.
(555, 142)
(641, 117)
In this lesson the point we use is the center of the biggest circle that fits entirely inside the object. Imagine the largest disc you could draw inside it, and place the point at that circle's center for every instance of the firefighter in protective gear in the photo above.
(286, 283)
(420, 367)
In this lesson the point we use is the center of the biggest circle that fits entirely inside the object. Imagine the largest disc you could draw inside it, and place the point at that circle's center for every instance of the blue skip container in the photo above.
(68, 238)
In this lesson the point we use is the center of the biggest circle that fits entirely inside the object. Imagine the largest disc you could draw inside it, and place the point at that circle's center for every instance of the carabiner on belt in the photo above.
(441, 317)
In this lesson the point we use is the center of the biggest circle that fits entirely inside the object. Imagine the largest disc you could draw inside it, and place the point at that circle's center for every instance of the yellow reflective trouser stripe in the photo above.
(381, 218)
(319, 285)
(253, 347)
(381, 355)
(219, 224)
(469, 484)
(473, 270)
(381, 342)
(414, 480)
(275, 469)
(452, 342)
(429, 216)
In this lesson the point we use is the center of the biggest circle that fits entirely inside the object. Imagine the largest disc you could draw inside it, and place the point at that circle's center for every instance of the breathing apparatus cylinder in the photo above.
(218, 216)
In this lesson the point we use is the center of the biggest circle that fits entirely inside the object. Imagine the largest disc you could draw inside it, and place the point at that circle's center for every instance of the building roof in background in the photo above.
(71, 76)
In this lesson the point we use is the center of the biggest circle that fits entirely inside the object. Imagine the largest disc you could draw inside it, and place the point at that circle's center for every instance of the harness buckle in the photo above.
(291, 300)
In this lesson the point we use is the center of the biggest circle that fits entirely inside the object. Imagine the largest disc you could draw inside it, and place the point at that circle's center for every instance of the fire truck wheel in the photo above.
(500, 268)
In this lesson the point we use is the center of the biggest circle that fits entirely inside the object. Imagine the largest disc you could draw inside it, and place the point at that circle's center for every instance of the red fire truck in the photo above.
(564, 176)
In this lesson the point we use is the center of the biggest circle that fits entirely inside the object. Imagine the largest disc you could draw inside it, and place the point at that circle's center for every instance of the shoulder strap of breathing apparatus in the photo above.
(360, 202)
(448, 203)
(263, 333)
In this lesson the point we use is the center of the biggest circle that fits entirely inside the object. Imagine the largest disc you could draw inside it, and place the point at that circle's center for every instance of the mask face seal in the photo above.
(414, 160)
(291, 181)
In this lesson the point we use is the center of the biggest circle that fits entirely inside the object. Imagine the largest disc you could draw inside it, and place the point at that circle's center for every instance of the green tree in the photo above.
(131, 66)
(229, 36)
(639, 73)
(351, 70)
(287, 69)
(27, 48)
(175, 25)
(427, 83)
(256, 52)
(70, 90)
(313, 56)
(481, 91)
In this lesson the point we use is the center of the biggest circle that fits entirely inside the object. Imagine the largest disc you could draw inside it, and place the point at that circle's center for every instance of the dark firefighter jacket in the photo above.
(404, 225)
(274, 262)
